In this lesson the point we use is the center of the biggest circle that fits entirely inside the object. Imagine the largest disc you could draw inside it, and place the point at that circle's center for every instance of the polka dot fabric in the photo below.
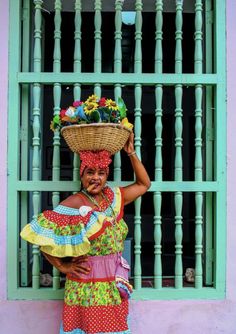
(96, 319)
(91, 306)
(96, 306)
(97, 159)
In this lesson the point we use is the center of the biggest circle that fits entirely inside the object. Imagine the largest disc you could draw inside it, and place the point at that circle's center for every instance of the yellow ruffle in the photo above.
(49, 246)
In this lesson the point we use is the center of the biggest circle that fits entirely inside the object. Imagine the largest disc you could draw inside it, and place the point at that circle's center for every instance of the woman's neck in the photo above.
(96, 199)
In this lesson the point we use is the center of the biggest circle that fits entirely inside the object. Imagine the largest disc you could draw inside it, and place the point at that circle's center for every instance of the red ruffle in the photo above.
(65, 220)
(96, 319)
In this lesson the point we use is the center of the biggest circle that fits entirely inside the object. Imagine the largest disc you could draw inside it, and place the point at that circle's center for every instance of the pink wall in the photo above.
(162, 317)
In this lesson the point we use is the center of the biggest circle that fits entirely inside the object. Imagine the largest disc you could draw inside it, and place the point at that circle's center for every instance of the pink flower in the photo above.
(77, 103)
(62, 113)
(102, 102)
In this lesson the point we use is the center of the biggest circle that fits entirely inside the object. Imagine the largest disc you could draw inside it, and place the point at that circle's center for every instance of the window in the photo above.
(169, 66)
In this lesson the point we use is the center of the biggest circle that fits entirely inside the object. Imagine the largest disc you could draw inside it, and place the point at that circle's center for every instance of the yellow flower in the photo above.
(111, 104)
(90, 107)
(92, 98)
(52, 126)
(126, 123)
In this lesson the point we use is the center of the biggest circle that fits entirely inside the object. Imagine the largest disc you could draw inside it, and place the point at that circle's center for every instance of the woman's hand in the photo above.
(129, 145)
(76, 266)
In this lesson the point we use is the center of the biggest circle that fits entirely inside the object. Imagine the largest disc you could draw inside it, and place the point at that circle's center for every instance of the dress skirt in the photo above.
(93, 303)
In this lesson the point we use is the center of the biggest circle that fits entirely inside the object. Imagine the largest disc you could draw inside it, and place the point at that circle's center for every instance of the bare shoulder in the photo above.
(74, 201)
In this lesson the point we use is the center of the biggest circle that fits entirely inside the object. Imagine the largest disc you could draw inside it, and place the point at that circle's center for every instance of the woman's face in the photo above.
(94, 179)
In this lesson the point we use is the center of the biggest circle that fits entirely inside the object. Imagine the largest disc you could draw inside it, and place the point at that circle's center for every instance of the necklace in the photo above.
(95, 202)
(91, 198)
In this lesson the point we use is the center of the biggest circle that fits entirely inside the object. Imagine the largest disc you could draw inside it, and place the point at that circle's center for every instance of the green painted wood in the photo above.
(118, 69)
(178, 196)
(167, 186)
(77, 69)
(138, 37)
(220, 147)
(137, 142)
(141, 294)
(209, 135)
(159, 37)
(97, 44)
(36, 133)
(56, 111)
(137, 245)
(198, 66)
(178, 36)
(137, 215)
(216, 189)
(24, 250)
(123, 78)
(118, 37)
(157, 197)
(13, 149)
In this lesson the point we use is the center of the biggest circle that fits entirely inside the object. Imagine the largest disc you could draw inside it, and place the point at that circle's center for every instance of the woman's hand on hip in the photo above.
(76, 266)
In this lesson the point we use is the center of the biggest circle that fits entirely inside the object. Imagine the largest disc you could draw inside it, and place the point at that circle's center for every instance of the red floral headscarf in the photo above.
(94, 159)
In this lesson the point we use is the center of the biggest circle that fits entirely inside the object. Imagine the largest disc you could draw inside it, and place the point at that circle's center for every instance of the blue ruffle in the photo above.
(58, 239)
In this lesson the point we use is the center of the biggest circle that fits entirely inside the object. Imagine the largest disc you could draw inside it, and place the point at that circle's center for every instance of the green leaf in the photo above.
(56, 119)
(95, 116)
(122, 108)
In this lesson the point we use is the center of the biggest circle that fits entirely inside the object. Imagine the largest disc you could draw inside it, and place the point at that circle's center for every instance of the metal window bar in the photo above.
(158, 80)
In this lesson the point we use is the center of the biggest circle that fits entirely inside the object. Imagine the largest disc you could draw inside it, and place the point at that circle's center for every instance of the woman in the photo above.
(88, 227)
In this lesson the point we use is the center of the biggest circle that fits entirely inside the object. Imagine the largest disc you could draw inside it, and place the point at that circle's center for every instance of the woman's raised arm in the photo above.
(142, 181)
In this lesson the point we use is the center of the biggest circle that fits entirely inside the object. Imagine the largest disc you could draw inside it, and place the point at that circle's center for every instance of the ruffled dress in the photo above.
(96, 302)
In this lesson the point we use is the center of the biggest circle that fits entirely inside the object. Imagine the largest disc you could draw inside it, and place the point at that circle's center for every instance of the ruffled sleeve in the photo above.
(68, 231)
(64, 231)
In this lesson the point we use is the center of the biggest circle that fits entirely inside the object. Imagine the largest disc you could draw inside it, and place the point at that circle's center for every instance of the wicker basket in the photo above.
(97, 136)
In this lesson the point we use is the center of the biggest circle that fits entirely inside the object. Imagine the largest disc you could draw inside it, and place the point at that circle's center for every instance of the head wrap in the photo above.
(94, 159)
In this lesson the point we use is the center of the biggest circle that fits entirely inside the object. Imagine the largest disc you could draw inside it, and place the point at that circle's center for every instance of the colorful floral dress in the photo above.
(96, 302)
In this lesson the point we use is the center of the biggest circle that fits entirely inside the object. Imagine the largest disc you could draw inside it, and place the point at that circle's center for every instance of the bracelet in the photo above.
(132, 153)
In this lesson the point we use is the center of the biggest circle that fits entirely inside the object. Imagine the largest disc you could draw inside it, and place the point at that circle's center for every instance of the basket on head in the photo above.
(96, 136)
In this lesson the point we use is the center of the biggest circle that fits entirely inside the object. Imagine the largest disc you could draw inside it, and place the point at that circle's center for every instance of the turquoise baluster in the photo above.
(77, 69)
(56, 111)
(198, 65)
(178, 148)
(137, 131)
(36, 174)
(118, 69)
(157, 197)
(97, 40)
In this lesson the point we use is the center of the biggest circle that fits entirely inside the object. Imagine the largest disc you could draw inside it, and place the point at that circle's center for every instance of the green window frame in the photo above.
(209, 86)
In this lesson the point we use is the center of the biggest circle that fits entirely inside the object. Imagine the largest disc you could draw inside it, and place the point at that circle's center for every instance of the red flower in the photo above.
(62, 113)
(102, 102)
(77, 103)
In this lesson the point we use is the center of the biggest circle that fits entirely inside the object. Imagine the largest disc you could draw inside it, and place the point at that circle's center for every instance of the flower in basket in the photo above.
(93, 110)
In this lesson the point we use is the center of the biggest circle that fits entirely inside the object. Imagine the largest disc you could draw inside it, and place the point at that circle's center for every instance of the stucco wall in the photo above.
(162, 317)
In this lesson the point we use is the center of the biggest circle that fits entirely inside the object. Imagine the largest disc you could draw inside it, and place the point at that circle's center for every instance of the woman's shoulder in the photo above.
(74, 201)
